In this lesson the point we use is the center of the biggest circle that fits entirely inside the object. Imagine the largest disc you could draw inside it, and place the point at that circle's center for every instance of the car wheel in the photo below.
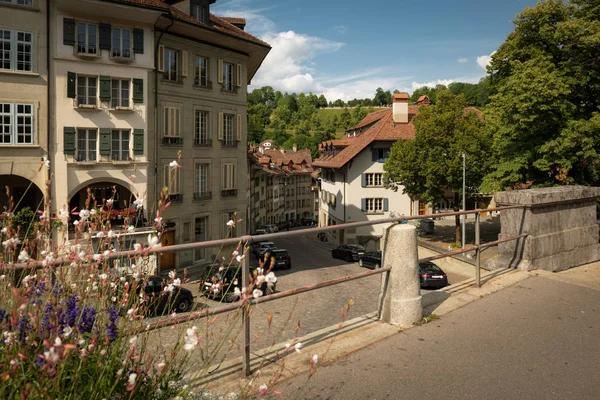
(183, 305)
(360, 263)
(377, 266)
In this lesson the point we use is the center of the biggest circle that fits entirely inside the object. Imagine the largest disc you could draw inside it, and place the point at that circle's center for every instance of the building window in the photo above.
(121, 43)
(172, 125)
(201, 128)
(228, 76)
(16, 123)
(201, 180)
(201, 235)
(87, 38)
(228, 138)
(16, 50)
(374, 205)
(201, 74)
(229, 181)
(171, 64)
(120, 93)
(86, 90)
(373, 179)
(172, 180)
(86, 144)
(19, 2)
(200, 12)
(120, 145)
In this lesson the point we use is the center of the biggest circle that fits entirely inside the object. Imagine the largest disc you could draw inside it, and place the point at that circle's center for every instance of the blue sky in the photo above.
(347, 48)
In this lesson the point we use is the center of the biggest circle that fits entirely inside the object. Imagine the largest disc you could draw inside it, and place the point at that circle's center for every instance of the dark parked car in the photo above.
(162, 303)
(432, 276)
(348, 252)
(371, 259)
(281, 258)
(220, 282)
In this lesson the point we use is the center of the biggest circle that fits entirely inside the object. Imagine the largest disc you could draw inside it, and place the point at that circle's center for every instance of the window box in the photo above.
(203, 196)
(172, 140)
(228, 192)
(203, 142)
(122, 109)
(90, 107)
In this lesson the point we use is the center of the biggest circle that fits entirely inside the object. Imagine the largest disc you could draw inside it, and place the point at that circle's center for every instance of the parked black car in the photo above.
(371, 259)
(348, 252)
(219, 282)
(280, 257)
(163, 303)
(432, 276)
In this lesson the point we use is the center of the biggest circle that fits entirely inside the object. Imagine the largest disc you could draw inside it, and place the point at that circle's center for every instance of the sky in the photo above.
(346, 49)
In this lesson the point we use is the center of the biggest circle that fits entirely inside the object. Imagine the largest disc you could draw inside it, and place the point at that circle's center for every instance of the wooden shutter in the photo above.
(71, 85)
(238, 126)
(138, 41)
(238, 75)
(220, 132)
(138, 141)
(68, 140)
(105, 34)
(161, 58)
(138, 90)
(68, 31)
(105, 141)
(184, 63)
(363, 180)
(363, 205)
(386, 204)
(220, 71)
(104, 88)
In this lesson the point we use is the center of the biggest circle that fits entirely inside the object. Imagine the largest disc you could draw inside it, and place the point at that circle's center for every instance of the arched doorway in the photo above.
(24, 193)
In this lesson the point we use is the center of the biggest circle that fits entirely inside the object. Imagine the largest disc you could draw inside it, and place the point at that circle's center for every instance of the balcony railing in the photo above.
(202, 142)
(176, 198)
(172, 140)
(228, 192)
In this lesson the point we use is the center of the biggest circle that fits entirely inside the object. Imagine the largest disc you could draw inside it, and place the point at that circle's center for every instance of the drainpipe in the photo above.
(156, 138)
(48, 87)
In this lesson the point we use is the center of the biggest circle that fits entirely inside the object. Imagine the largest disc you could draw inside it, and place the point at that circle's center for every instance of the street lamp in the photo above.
(464, 200)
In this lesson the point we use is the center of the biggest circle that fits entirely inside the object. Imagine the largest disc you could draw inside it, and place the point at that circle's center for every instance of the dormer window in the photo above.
(199, 10)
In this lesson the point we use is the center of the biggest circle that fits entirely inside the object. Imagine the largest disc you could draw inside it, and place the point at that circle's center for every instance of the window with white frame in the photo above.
(374, 179)
(228, 177)
(171, 63)
(201, 127)
(16, 123)
(172, 125)
(228, 138)
(87, 87)
(87, 38)
(201, 235)
(202, 180)
(86, 144)
(374, 205)
(121, 43)
(201, 72)
(16, 50)
(120, 93)
(200, 12)
(119, 150)
(228, 76)
(172, 179)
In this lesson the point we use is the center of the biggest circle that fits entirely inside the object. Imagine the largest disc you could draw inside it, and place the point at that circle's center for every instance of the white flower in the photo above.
(315, 359)
(134, 339)
(158, 220)
(172, 274)
(235, 253)
(100, 235)
(153, 241)
(135, 275)
(297, 347)
(67, 331)
(262, 390)
(139, 202)
(103, 277)
(49, 259)
(110, 202)
(132, 378)
(230, 223)
(236, 291)
(176, 282)
(83, 214)
(130, 228)
(260, 270)
(137, 246)
(106, 253)
(260, 279)
(169, 288)
(23, 256)
(239, 258)
(174, 164)
(46, 162)
(271, 278)
(257, 293)
(110, 234)
(2, 277)
(57, 342)
(76, 222)
(119, 372)
(93, 211)
(191, 338)
(160, 366)
(63, 212)
(43, 215)
(97, 257)
(81, 254)
(51, 356)
(4, 230)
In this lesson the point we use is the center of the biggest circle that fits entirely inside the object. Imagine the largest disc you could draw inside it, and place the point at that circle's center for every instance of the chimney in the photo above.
(294, 147)
(400, 108)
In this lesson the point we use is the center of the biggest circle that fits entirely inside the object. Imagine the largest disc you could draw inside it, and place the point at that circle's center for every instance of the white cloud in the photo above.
(463, 60)
(340, 28)
(256, 23)
(484, 61)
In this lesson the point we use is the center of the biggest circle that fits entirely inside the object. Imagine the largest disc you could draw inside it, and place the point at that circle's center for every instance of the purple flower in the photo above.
(23, 327)
(2, 315)
(88, 316)
(39, 361)
(46, 319)
(57, 289)
(111, 329)
(72, 309)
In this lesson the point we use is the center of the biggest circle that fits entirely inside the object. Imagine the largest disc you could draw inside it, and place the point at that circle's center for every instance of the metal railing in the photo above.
(246, 304)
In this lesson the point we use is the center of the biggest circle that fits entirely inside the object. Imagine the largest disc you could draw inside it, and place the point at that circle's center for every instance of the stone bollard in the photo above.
(402, 303)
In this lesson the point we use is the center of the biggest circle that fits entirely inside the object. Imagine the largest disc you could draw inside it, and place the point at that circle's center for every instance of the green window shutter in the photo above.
(138, 141)
(104, 88)
(71, 85)
(69, 140)
(138, 41)
(68, 31)
(138, 90)
(105, 31)
(105, 141)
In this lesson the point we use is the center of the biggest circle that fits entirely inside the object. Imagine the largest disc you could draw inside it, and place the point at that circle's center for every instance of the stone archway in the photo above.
(24, 192)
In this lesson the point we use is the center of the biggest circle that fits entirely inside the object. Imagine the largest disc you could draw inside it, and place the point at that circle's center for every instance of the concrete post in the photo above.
(402, 302)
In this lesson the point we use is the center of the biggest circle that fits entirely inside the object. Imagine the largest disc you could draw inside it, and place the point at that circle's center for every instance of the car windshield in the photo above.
(280, 254)
(431, 268)
(268, 245)
(357, 247)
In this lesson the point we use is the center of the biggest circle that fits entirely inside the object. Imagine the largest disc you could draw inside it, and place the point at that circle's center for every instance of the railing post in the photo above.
(246, 310)
(478, 249)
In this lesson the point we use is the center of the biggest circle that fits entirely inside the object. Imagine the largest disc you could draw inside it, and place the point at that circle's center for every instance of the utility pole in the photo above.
(464, 200)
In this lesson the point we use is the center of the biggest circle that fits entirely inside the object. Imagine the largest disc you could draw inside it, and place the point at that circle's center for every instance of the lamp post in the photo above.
(464, 200)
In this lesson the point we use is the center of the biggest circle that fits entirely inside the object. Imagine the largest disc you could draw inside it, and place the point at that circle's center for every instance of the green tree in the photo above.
(322, 101)
(382, 97)
(431, 164)
(345, 119)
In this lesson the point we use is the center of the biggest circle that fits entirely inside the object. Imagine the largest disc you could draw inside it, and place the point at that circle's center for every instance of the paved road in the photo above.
(538, 339)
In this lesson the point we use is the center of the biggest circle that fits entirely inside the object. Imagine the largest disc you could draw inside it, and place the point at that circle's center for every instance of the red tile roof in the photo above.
(369, 119)
(400, 96)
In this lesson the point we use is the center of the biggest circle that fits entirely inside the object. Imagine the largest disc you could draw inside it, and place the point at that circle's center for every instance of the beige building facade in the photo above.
(23, 100)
